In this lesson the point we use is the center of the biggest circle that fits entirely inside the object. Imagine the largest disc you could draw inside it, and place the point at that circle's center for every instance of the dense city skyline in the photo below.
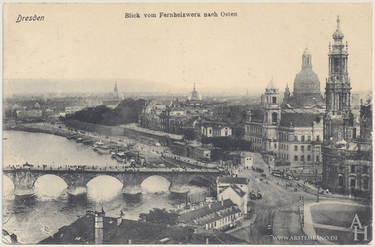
(229, 54)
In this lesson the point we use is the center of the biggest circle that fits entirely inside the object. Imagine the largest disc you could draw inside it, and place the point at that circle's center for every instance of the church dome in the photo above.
(306, 82)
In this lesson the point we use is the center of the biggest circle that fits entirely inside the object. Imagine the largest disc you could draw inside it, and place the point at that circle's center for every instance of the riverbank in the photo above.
(38, 128)
(137, 150)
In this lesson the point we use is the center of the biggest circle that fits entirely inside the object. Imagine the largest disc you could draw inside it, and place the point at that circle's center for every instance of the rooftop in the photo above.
(197, 215)
(299, 119)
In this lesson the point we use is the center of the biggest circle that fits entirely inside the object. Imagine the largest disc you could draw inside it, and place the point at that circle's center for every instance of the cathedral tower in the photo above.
(338, 124)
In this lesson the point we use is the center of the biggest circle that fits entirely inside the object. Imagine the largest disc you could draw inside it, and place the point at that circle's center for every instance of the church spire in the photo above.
(115, 91)
(338, 35)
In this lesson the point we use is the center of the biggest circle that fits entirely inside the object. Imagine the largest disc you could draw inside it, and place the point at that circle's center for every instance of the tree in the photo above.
(189, 134)
(159, 216)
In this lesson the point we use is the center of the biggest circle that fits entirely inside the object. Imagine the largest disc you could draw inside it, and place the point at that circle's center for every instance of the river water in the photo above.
(33, 220)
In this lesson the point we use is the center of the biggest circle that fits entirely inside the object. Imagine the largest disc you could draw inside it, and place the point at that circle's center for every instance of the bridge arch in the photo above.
(49, 185)
(155, 183)
(103, 187)
(96, 176)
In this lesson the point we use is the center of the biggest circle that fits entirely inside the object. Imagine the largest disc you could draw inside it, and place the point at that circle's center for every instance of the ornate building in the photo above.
(338, 124)
(306, 91)
(347, 160)
(289, 139)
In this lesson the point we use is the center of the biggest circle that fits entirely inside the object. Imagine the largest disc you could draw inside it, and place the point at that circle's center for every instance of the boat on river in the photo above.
(79, 139)
(102, 149)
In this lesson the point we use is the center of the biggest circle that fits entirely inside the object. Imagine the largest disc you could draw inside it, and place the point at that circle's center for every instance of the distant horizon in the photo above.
(205, 92)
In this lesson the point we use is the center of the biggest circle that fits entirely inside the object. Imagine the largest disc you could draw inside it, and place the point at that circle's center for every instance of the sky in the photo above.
(87, 47)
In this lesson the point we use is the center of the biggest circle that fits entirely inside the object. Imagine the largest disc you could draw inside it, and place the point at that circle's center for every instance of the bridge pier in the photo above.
(76, 191)
(132, 190)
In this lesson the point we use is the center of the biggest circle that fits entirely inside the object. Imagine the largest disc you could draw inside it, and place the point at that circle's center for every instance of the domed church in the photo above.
(306, 91)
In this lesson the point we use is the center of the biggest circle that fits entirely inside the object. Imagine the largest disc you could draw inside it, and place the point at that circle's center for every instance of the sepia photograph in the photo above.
(187, 123)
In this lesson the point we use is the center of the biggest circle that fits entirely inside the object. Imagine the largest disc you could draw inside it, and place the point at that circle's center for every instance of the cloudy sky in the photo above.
(81, 43)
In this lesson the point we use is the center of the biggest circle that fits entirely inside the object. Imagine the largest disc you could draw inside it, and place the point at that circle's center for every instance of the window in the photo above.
(365, 183)
(302, 157)
(287, 156)
(274, 117)
(303, 148)
(296, 138)
(341, 180)
(295, 147)
(352, 182)
(365, 169)
(309, 138)
(317, 158)
(302, 138)
(295, 158)
(274, 101)
(308, 147)
(352, 168)
(275, 145)
(318, 138)
(308, 157)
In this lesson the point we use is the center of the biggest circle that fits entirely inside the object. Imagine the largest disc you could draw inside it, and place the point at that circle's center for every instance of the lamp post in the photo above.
(316, 182)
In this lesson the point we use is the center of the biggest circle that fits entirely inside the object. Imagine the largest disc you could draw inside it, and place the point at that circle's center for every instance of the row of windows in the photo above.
(256, 140)
(299, 158)
(353, 169)
(284, 156)
(224, 220)
(302, 138)
(254, 129)
(284, 146)
(352, 183)
(308, 158)
(302, 147)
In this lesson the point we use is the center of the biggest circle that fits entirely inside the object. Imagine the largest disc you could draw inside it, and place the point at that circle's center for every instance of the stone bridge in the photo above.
(24, 178)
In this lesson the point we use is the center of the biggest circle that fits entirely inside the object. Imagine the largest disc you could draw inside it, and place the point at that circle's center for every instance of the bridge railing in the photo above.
(71, 168)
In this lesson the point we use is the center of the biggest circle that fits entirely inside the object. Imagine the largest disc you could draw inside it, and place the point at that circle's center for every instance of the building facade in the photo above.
(289, 138)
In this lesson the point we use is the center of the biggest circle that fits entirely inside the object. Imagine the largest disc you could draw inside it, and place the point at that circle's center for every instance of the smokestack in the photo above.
(99, 227)
(207, 242)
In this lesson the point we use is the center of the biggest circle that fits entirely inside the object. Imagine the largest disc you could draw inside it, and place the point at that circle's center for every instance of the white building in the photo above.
(213, 129)
(236, 195)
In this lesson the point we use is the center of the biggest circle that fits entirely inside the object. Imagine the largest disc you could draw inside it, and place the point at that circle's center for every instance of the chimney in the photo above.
(207, 242)
(99, 227)
(129, 241)
(209, 205)
(222, 202)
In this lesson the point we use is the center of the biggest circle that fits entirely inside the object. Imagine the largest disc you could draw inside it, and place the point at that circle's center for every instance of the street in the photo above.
(278, 208)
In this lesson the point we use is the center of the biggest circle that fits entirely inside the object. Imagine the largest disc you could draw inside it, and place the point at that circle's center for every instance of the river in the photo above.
(33, 220)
